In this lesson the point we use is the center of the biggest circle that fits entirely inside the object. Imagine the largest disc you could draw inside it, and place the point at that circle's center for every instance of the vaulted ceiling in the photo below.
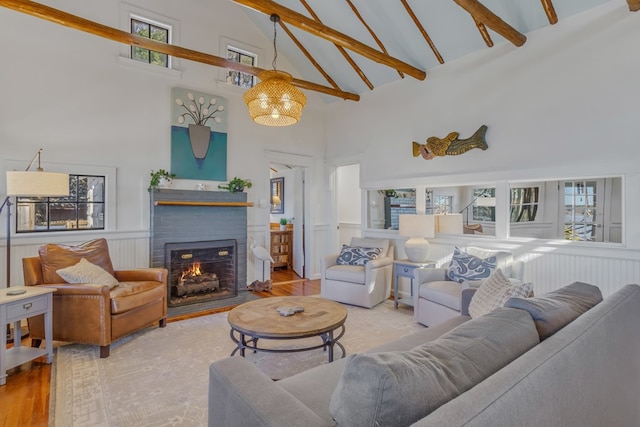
(343, 48)
(330, 42)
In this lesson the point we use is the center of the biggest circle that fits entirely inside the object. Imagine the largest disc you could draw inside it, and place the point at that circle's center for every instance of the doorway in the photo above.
(296, 170)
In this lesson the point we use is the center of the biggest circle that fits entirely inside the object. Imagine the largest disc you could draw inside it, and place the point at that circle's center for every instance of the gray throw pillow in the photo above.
(556, 309)
(401, 387)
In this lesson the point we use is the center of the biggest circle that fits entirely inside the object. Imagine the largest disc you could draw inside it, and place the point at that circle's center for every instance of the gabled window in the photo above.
(83, 209)
(238, 78)
(155, 31)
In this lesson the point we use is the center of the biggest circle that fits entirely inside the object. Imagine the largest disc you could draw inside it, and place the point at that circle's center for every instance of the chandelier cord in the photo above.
(275, 18)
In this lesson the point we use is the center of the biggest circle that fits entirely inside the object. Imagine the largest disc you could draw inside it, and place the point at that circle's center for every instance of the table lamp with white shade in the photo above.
(417, 227)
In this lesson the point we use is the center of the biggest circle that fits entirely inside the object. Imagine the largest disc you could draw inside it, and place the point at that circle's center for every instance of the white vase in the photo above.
(283, 227)
(164, 183)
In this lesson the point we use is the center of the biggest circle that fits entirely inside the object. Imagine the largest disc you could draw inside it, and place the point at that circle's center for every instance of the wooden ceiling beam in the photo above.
(309, 57)
(547, 5)
(634, 5)
(72, 21)
(344, 53)
(484, 33)
(373, 34)
(304, 23)
(481, 13)
(418, 24)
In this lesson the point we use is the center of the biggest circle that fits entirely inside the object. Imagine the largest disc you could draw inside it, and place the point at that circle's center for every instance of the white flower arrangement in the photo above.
(198, 112)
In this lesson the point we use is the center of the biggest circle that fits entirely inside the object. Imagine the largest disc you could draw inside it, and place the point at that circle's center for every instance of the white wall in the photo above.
(563, 105)
(67, 92)
(349, 203)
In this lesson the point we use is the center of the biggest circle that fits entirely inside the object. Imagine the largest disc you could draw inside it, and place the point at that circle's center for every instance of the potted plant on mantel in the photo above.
(236, 185)
(283, 224)
(161, 178)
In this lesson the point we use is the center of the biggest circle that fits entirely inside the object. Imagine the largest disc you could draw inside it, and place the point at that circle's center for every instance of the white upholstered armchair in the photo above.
(438, 299)
(365, 285)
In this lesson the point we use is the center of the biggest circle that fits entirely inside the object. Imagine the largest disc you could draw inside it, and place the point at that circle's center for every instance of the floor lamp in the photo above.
(31, 184)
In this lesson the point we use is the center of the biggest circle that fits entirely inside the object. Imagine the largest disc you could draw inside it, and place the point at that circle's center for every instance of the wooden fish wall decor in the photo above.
(450, 145)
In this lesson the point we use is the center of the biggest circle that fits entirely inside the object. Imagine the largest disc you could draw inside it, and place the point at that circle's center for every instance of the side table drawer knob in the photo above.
(405, 270)
(27, 306)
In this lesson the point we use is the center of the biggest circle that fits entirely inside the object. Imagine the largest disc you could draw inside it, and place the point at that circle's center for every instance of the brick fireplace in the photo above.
(201, 238)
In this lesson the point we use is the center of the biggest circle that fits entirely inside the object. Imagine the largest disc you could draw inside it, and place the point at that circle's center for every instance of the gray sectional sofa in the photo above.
(560, 359)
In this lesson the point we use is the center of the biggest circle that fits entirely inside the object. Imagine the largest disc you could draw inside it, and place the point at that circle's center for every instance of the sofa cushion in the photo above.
(53, 257)
(494, 293)
(443, 292)
(400, 388)
(346, 273)
(556, 309)
(356, 255)
(464, 266)
(129, 295)
(85, 272)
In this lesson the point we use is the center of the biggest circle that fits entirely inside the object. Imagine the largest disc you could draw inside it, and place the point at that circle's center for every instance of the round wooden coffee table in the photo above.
(259, 319)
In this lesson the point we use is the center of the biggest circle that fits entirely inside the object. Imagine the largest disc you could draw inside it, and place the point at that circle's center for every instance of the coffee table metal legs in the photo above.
(244, 341)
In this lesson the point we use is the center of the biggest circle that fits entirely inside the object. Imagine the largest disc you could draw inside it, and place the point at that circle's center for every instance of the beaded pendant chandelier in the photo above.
(275, 101)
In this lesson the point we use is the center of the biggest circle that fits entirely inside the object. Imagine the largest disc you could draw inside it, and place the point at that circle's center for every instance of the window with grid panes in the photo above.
(238, 78)
(154, 31)
(83, 209)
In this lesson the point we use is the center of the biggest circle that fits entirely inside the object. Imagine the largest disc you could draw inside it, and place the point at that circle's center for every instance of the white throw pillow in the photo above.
(85, 272)
(494, 292)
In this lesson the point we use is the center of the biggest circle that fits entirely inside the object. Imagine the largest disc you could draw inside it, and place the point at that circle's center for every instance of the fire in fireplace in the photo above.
(201, 271)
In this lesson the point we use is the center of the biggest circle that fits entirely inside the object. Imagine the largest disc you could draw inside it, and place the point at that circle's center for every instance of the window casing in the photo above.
(83, 209)
(155, 31)
(237, 78)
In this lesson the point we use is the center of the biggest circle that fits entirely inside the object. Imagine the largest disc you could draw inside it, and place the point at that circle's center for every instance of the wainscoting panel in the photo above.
(127, 250)
(550, 267)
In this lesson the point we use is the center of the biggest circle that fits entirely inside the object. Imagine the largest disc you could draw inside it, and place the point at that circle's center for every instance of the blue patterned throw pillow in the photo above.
(355, 255)
(464, 267)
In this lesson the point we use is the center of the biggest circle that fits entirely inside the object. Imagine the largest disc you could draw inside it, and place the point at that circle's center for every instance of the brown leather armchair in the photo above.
(94, 313)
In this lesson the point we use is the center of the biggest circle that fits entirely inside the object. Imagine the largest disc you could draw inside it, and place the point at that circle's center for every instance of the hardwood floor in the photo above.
(24, 399)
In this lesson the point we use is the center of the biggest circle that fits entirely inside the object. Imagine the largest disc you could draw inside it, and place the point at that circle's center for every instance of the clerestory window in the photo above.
(155, 31)
(238, 78)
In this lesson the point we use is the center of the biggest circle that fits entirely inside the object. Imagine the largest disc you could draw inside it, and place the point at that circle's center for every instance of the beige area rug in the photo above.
(159, 377)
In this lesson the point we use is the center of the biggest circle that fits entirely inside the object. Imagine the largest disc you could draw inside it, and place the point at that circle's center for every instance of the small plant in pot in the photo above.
(161, 178)
(283, 224)
(236, 185)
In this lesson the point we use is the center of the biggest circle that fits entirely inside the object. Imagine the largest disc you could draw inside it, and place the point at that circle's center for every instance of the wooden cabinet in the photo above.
(282, 249)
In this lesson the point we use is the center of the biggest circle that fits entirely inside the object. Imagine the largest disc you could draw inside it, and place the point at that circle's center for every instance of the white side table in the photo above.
(405, 268)
(14, 308)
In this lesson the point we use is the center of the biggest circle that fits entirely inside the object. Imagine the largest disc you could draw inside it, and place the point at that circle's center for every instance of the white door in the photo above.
(298, 220)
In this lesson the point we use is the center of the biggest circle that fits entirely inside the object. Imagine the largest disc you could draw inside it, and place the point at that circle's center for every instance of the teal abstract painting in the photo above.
(198, 135)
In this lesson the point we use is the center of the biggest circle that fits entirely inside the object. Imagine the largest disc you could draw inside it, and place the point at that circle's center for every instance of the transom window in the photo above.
(83, 209)
(238, 78)
(154, 31)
